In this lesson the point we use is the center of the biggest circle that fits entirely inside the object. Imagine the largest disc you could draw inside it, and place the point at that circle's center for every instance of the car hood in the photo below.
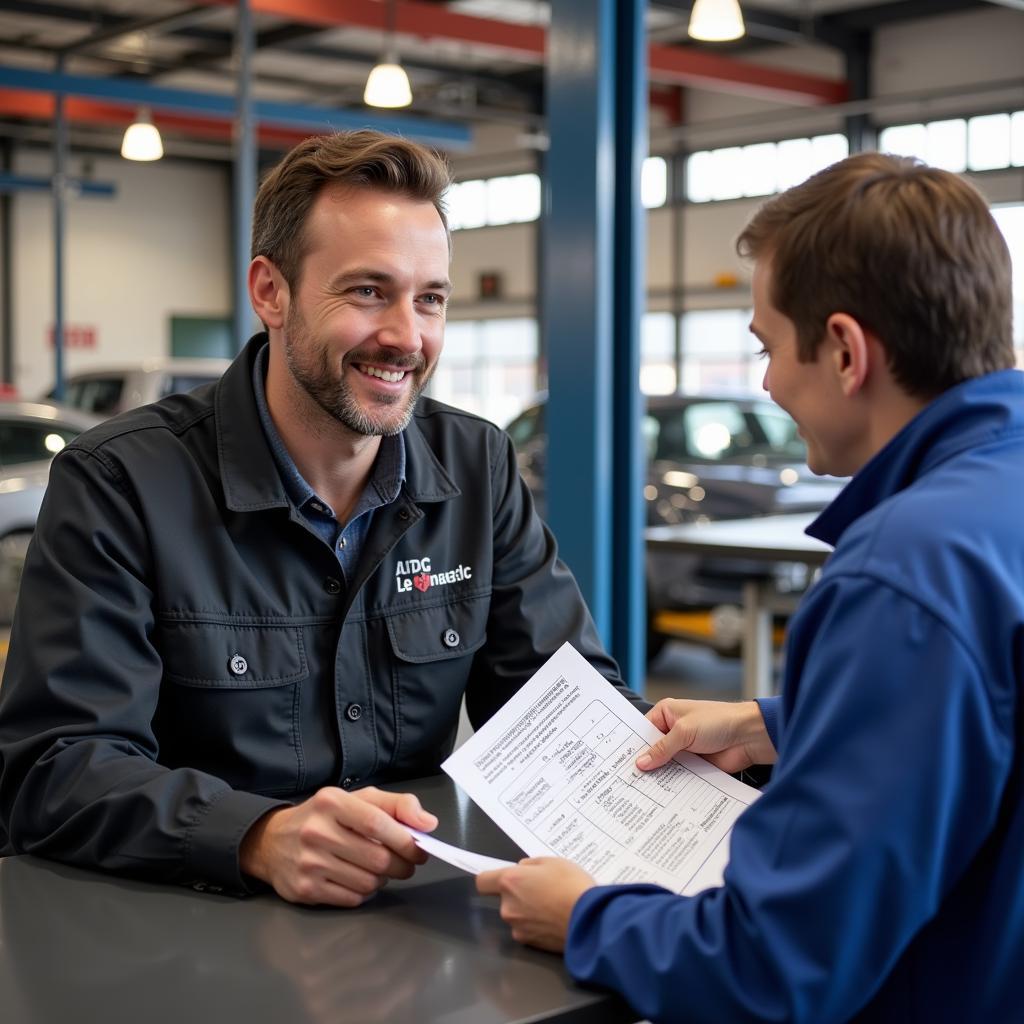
(677, 493)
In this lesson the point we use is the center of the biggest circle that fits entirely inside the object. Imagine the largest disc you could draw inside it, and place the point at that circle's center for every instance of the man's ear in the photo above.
(850, 351)
(268, 292)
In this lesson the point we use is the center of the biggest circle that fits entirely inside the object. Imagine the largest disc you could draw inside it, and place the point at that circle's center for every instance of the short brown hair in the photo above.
(910, 251)
(361, 159)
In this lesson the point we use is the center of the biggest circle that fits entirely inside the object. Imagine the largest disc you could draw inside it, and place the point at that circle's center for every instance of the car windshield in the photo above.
(723, 431)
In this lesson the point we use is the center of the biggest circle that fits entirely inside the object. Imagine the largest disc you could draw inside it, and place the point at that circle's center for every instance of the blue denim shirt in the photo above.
(382, 488)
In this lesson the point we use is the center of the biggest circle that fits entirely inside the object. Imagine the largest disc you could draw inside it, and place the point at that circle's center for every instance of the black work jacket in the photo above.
(186, 654)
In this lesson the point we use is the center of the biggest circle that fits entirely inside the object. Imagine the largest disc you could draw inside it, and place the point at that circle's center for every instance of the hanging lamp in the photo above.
(716, 21)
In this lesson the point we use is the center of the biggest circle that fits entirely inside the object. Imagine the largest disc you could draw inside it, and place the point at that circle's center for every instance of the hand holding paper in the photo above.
(556, 769)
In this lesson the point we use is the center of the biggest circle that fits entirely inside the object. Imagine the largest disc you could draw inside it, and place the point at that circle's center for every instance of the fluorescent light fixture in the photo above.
(142, 139)
(716, 21)
(388, 85)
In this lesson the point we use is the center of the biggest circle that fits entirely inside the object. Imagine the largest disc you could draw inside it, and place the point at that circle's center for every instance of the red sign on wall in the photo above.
(75, 336)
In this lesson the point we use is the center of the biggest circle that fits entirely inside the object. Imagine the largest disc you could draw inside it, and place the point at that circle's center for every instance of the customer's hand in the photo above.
(732, 736)
(537, 897)
(336, 847)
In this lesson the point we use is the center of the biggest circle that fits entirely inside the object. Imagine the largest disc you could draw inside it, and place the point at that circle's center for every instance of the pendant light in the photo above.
(142, 138)
(716, 21)
(388, 84)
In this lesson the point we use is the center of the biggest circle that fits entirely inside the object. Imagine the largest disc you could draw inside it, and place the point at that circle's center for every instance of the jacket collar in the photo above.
(966, 416)
(250, 476)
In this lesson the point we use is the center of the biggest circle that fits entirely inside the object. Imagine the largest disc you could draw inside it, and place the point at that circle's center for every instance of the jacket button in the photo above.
(353, 712)
(403, 513)
(450, 638)
(332, 585)
(238, 665)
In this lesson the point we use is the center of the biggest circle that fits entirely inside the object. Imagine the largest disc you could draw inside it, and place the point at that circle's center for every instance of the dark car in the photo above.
(709, 457)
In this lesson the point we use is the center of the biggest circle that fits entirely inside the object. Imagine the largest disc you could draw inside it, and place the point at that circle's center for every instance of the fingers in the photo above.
(678, 738)
(489, 882)
(401, 806)
(369, 834)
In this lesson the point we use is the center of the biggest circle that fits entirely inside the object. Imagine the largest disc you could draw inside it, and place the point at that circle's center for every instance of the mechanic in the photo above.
(245, 606)
(878, 877)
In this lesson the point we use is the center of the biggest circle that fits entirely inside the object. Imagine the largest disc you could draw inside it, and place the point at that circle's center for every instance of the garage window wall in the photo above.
(489, 367)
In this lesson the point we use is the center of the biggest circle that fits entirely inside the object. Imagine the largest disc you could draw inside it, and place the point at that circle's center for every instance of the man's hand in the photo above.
(731, 736)
(336, 847)
(537, 897)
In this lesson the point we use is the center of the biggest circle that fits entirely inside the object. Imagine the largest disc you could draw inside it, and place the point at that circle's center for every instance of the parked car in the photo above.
(108, 391)
(31, 433)
(709, 457)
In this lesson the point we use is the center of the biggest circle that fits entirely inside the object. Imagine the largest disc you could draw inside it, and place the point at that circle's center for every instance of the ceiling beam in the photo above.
(667, 64)
(40, 106)
(304, 118)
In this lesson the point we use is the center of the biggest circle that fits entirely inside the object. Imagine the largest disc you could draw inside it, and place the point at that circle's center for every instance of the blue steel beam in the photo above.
(578, 286)
(75, 186)
(446, 134)
(628, 593)
(245, 171)
(60, 161)
(592, 291)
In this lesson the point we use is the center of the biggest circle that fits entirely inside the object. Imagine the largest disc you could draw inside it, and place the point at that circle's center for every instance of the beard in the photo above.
(318, 374)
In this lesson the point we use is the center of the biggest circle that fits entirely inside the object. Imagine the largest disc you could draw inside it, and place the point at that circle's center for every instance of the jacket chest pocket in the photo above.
(229, 702)
(432, 651)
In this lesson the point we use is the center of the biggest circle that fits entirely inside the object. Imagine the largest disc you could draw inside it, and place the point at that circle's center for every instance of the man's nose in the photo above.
(400, 329)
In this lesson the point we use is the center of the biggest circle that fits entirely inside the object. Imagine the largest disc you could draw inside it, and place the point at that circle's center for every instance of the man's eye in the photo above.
(365, 291)
(762, 353)
(433, 299)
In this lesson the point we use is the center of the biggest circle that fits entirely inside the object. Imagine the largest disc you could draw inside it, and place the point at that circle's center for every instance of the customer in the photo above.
(244, 607)
(879, 877)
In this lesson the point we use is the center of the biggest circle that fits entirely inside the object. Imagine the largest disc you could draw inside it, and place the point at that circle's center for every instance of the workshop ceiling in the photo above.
(470, 61)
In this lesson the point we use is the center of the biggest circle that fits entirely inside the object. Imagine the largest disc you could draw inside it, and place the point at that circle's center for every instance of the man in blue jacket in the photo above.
(880, 875)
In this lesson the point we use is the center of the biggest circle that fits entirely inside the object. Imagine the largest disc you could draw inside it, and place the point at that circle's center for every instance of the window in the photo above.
(722, 430)
(658, 354)
(984, 143)
(988, 142)
(516, 198)
(760, 169)
(513, 199)
(21, 443)
(654, 182)
(719, 352)
(489, 367)
(99, 395)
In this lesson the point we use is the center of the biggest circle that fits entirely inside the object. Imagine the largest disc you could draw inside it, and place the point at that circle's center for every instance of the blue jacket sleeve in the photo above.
(888, 780)
(770, 713)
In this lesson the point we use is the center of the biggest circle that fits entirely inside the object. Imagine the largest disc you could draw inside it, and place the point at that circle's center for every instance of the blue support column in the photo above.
(628, 592)
(578, 291)
(245, 172)
(592, 286)
(60, 173)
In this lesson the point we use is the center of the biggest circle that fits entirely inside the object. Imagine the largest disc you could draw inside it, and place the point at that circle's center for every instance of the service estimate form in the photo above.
(555, 769)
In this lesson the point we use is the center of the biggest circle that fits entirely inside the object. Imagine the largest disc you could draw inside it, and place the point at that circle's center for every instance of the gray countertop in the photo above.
(86, 947)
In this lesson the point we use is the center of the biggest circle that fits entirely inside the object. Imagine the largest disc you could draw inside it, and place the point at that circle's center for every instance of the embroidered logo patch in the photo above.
(418, 573)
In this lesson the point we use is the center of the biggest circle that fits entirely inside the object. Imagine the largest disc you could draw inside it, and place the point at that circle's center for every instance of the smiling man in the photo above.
(245, 606)
(878, 877)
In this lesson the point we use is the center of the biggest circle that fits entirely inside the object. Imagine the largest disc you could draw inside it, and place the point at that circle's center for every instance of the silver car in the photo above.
(106, 392)
(31, 433)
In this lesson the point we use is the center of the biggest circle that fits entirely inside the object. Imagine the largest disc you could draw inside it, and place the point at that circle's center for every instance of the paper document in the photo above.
(555, 769)
(474, 863)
